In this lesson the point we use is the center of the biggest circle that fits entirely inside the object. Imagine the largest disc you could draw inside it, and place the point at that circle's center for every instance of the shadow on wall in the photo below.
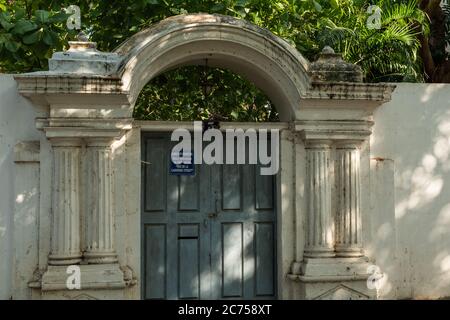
(413, 133)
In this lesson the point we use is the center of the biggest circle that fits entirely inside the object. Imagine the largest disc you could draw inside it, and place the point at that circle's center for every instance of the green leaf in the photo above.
(50, 37)
(235, 115)
(12, 46)
(334, 4)
(218, 7)
(6, 25)
(32, 37)
(59, 17)
(20, 13)
(317, 6)
(5, 21)
(24, 26)
(42, 16)
(241, 3)
(152, 1)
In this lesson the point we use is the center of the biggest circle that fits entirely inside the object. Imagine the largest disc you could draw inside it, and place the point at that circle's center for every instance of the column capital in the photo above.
(348, 144)
(318, 144)
(99, 141)
(62, 142)
(82, 133)
(76, 131)
(334, 130)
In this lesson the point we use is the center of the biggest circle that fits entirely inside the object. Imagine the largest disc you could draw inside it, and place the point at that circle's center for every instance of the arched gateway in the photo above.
(91, 147)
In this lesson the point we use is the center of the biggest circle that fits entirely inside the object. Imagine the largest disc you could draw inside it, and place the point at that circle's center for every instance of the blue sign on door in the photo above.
(182, 164)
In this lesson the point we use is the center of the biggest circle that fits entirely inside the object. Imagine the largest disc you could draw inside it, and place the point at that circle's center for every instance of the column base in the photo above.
(349, 252)
(92, 257)
(314, 253)
(333, 279)
(106, 281)
(64, 260)
(92, 277)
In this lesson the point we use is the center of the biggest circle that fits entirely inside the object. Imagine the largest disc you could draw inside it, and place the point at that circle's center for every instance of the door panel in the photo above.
(232, 240)
(231, 187)
(264, 192)
(207, 236)
(265, 259)
(155, 193)
(189, 261)
(155, 261)
(188, 193)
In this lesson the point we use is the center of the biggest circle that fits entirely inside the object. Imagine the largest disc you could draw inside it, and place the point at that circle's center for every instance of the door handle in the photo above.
(212, 215)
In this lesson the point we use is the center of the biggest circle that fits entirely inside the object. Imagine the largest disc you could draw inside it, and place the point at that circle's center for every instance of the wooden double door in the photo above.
(210, 235)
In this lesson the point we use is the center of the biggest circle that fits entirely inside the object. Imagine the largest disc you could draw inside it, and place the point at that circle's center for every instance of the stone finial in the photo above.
(82, 37)
(330, 67)
(82, 43)
(84, 58)
(328, 50)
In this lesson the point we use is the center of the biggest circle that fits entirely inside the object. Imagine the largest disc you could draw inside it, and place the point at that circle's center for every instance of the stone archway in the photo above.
(264, 59)
(86, 101)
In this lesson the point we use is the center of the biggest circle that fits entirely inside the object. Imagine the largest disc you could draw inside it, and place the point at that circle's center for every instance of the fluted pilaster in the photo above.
(65, 241)
(100, 247)
(319, 242)
(348, 201)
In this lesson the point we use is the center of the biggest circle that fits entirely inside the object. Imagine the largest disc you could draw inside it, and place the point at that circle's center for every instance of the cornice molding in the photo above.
(381, 92)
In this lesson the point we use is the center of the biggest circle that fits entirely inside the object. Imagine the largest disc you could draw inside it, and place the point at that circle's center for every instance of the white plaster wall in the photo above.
(411, 208)
(16, 124)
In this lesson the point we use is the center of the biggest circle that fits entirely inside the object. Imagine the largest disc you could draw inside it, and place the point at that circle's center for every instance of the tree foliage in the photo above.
(31, 30)
(29, 35)
(180, 95)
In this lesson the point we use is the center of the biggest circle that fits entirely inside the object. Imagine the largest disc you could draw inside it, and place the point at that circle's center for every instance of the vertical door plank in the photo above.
(155, 175)
(265, 258)
(189, 193)
(263, 190)
(232, 260)
(155, 262)
(188, 262)
(231, 187)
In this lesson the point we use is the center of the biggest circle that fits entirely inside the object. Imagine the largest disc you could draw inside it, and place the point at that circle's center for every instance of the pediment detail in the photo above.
(84, 296)
(342, 292)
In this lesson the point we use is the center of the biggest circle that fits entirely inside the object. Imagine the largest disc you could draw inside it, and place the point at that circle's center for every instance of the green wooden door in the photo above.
(207, 236)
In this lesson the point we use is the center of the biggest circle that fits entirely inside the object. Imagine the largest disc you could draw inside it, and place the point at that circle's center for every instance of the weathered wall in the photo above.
(411, 207)
(16, 124)
(408, 225)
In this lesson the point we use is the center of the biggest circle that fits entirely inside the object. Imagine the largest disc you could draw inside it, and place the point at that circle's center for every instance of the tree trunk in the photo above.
(433, 47)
